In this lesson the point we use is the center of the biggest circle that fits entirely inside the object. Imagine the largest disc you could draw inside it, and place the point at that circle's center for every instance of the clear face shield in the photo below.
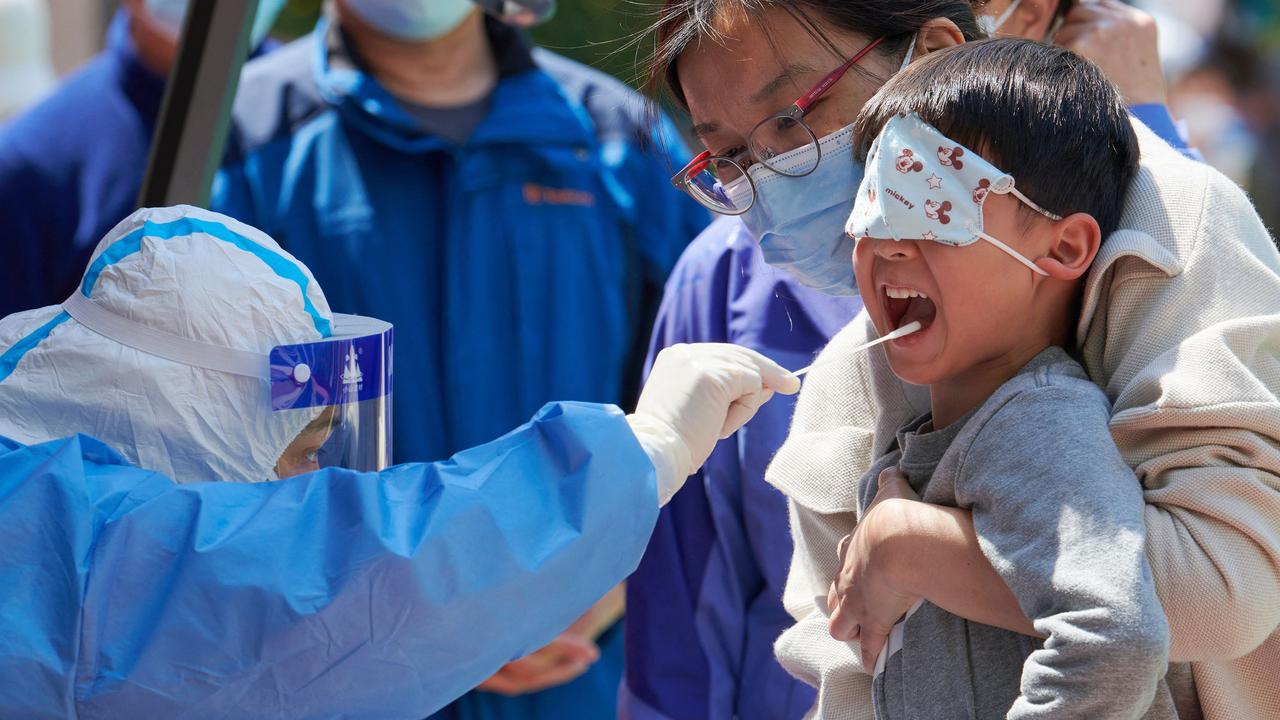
(330, 400)
(338, 390)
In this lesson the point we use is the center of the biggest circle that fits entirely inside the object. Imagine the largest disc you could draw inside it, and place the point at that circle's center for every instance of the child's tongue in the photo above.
(918, 308)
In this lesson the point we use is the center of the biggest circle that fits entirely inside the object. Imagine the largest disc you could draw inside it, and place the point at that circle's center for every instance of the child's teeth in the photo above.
(903, 293)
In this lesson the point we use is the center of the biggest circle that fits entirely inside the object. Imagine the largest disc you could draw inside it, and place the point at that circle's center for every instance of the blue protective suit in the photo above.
(705, 606)
(333, 594)
(519, 267)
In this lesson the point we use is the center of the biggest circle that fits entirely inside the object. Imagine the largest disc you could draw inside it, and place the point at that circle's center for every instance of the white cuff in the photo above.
(666, 450)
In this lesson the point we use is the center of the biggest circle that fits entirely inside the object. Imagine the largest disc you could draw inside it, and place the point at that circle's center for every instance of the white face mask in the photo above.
(413, 19)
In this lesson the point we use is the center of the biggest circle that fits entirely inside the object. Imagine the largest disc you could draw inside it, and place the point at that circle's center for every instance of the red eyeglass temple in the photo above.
(804, 103)
(702, 159)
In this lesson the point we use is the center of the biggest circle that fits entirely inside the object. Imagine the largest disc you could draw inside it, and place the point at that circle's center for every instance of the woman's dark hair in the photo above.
(683, 22)
(1041, 113)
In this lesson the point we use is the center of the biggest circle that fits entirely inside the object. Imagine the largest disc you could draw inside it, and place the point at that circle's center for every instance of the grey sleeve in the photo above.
(1059, 515)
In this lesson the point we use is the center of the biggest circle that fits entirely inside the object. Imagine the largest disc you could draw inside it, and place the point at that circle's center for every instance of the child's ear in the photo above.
(1076, 239)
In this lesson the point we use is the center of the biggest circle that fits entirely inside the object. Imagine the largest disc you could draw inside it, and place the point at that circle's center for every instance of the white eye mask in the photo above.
(920, 185)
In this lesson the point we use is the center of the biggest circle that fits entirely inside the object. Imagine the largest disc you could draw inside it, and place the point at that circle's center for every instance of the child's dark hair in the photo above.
(1044, 115)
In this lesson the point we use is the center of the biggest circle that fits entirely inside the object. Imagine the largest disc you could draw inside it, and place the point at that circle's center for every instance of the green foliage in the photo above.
(296, 19)
(599, 33)
(605, 34)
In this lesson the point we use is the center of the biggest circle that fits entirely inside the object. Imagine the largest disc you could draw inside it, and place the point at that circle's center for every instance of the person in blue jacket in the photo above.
(71, 166)
(705, 605)
(511, 206)
(131, 592)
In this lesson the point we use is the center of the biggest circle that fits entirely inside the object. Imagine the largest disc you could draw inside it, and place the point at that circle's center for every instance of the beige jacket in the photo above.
(1181, 328)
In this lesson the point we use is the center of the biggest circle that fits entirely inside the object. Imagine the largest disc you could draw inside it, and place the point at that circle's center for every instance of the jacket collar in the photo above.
(143, 87)
(1147, 231)
(527, 107)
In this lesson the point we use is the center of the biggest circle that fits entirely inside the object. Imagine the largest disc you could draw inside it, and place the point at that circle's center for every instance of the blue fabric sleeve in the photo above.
(1159, 120)
(331, 594)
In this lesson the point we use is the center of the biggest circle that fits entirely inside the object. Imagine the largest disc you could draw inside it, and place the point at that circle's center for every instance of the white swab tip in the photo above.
(903, 331)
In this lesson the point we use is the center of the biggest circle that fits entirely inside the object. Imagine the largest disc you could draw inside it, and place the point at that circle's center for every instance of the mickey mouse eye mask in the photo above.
(919, 185)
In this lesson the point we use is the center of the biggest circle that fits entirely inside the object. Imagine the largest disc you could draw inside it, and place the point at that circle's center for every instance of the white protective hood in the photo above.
(188, 272)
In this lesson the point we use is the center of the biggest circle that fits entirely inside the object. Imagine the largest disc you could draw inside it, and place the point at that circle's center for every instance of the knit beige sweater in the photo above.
(1181, 328)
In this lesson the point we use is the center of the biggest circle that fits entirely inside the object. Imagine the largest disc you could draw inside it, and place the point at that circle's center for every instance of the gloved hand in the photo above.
(698, 394)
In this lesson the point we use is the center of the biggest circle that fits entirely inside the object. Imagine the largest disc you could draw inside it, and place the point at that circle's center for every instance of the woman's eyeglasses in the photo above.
(779, 142)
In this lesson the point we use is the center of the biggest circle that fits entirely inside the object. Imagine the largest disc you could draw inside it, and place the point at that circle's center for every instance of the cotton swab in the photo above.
(900, 332)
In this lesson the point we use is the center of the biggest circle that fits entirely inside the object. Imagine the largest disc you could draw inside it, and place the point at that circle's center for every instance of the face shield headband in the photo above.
(344, 380)
(920, 185)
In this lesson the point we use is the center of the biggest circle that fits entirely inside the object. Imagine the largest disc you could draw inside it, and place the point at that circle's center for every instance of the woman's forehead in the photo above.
(758, 65)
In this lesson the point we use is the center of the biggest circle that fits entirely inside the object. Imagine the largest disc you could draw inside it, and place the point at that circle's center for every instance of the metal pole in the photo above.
(186, 148)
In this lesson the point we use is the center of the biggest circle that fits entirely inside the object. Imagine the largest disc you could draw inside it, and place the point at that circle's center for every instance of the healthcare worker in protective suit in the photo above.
(196, 349)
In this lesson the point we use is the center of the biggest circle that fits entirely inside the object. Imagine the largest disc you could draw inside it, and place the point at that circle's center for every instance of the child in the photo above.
(990, 262)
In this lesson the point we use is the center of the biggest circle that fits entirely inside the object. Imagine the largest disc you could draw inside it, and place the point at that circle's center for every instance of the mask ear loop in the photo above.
(911, 52)
(1013, 253)
(1010, 251)
(993, 25)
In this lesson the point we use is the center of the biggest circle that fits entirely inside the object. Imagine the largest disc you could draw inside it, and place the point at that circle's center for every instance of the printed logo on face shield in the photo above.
(351, 374)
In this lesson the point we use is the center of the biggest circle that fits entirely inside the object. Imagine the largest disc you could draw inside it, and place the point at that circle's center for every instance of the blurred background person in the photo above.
(1222, 61)
(26, 65)
(72, 165)
(508, 209)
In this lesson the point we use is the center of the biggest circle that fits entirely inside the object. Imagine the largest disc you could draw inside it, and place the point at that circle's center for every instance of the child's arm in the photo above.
(1059, 515)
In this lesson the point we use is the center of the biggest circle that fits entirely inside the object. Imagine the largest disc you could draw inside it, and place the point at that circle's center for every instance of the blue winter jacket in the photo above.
(519, 267)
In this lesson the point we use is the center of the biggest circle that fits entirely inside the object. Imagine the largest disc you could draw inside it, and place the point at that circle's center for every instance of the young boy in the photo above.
(990, 262)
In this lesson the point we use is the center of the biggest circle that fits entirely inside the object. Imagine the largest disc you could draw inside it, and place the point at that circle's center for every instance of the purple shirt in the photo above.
(705, 606)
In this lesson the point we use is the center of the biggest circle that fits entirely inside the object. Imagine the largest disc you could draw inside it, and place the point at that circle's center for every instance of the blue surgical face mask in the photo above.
(169, 14)
(799, 221)
(413, 19)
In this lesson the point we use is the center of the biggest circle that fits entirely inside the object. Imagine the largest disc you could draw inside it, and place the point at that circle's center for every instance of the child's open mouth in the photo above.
(906, 305)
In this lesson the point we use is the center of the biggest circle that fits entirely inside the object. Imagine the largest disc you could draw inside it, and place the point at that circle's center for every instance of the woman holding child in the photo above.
(1179, 325)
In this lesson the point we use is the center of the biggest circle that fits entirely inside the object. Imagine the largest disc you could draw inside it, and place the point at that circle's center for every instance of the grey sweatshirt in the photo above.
(1059, 515)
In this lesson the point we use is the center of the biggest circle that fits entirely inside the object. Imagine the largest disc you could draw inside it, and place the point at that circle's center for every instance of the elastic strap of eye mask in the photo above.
(1032, 204)
(1014, 253)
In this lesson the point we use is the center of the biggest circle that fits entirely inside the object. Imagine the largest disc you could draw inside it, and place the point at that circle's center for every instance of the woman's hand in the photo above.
(566, 658)
(864, 600)
(1122, 41)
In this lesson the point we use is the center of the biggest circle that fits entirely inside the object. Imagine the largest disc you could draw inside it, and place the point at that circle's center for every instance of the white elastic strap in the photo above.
(1031, 204)
(163, 344)
(1004, 16)
(1014, 253)
(911, 52)
(894, 644)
